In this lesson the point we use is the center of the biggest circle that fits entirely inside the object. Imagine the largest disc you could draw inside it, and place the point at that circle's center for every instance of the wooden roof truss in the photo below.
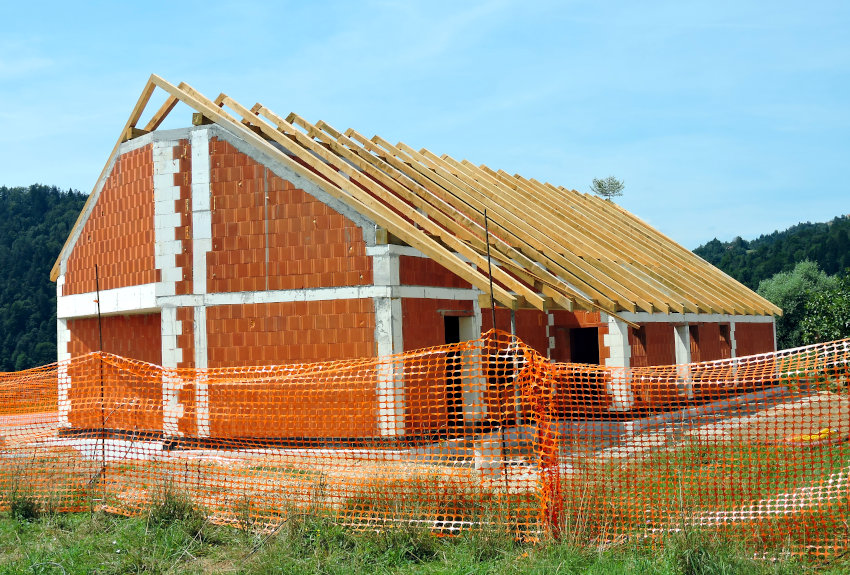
(551, 248)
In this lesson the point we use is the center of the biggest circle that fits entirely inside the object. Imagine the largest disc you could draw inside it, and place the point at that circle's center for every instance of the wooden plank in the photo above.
(199, 119)
(505, 217)
(690, 262)
(671, 271)
(136, 112)
(160, 115)
(587, 223)
(575, 202)
(474, 211)
(345, 191)
(622, 247)
(542, 220)
(695, 263)
(387, 198)
(132, 133)
(393, 176)
(654, 264)
(562, 294)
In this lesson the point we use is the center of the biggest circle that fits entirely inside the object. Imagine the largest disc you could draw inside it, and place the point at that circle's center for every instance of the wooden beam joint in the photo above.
(133, 132)
(199, 119)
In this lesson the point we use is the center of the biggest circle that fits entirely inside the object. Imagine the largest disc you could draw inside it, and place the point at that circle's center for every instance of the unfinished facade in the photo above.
(252, 239)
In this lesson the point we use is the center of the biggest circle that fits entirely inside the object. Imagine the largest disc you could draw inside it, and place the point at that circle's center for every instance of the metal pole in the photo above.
(102, 394)
(489, 268)
(500, 394)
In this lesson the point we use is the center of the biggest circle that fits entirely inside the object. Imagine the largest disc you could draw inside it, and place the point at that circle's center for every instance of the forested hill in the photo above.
(34, 223)
(827, 244)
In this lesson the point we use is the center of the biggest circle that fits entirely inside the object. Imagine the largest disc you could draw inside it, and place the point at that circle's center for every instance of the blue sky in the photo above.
(722, 118)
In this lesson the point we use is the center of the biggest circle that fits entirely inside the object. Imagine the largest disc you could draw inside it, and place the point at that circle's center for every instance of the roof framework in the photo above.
(551, 247)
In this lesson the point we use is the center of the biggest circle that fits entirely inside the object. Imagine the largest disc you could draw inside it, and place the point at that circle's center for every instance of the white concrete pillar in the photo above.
(682, 340)
(166, 217)
(389, 341)
(199, 141)
(619, 356)
(63, 356)
(166, 247)
(732, 340)
(201, 205)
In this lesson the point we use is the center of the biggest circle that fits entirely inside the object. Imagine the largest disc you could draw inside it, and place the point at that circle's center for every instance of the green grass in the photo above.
(438, 501)
(171, 539)
(663, 488)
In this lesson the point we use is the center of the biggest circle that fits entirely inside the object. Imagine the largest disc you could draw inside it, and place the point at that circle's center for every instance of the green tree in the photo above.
(750, 262)
(35, 223)
(608, 188)
(828, 313)
(791, 291)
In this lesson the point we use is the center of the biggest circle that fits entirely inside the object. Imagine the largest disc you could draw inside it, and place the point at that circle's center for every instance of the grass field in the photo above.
(175, 538)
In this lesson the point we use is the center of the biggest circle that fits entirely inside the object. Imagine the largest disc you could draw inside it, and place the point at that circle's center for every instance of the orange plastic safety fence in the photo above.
(485, 432)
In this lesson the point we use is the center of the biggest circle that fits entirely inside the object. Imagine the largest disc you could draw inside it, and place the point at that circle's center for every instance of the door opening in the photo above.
(454, 389)
(584, 345)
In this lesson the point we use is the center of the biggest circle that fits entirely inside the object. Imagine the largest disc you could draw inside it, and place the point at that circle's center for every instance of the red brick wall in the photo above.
(712, 345)
(131, 401)
(293, 332)
(183, 206)
(724, 335)
(530, 326)
(186, 339)
(309, 244)
(753, 338)
(134, 336)
(578, 318)
(299, 410)
(119, 234)
(427, 272)
(422, 320)
(426, 386)
(656, 346)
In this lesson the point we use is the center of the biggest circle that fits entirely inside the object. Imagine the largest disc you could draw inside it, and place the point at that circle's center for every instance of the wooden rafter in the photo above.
(550, 246)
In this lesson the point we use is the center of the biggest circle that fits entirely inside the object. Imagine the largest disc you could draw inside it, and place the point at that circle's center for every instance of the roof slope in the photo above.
(550, 247)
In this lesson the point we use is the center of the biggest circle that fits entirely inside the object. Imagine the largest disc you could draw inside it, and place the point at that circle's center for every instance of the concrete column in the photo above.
(619, 356)
(201, 205)
(389, 340)
(682, 340)
(63, 356)
(166, 218)
(733, 341)
(201, 245)
(476, 314)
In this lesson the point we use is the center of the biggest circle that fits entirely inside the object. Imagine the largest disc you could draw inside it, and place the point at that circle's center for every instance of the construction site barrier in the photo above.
(464, 436)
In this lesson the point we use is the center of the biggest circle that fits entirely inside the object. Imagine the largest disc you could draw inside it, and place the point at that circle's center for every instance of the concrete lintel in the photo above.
(317, 294)
(394, 250)
(428, 292)
(125, 300)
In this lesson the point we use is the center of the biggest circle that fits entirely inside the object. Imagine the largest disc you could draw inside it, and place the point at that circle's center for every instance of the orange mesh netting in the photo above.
(485, 432)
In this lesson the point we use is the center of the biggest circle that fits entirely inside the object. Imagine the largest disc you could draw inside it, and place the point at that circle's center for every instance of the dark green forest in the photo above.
(34, 223)
(750, 262)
